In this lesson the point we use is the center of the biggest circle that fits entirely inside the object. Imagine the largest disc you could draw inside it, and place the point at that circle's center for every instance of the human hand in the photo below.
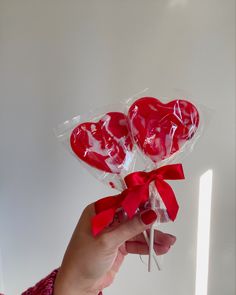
(91, 263)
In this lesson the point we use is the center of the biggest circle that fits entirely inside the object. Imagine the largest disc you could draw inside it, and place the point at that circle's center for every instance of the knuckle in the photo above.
(105, 241)
(139, 224)
(88, 208)
(136, 226)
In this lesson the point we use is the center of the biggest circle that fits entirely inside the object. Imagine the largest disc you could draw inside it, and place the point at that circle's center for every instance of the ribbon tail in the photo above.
(105, 209)
(108, 203)
(168, 198)
(102, 220)
(134, 198)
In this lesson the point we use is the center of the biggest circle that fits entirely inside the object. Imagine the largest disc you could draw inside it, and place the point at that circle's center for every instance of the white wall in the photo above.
(60, 58)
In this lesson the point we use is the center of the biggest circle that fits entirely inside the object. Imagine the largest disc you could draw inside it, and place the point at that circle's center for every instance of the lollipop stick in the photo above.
(154, 254)
(151, 240)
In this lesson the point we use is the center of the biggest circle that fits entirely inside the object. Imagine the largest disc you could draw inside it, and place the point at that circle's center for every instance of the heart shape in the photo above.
(106, 144)
(159, 129)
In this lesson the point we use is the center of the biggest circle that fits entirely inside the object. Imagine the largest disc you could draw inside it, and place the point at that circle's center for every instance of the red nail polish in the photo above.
(149, 216)
(172, 237)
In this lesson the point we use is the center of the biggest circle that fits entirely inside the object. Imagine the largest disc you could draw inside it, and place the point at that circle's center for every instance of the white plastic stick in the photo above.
(153, 195)
(151, 240)
(154, 254)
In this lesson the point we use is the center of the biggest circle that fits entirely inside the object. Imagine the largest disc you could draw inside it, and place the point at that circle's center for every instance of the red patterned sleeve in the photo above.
(45, 286)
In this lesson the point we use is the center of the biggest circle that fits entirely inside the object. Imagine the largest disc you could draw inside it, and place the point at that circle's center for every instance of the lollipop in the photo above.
(160, 130)
(105, 145)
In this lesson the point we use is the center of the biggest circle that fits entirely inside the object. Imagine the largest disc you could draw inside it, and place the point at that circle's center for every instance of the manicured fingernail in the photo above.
(173, 238)
(148, 217)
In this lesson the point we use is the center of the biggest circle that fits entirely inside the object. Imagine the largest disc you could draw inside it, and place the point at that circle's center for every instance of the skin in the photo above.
(90, 264)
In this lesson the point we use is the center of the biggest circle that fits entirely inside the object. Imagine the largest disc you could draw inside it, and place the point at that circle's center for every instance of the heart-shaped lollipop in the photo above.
(161, 129)
(106, 144)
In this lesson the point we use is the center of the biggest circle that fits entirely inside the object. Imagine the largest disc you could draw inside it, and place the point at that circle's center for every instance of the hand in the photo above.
(91, 263)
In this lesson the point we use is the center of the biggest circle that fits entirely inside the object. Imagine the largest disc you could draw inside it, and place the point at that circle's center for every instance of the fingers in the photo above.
(143, 249)
(131, 232)
(164, 238)
(159, 238)
(131, 228)
(162, 243)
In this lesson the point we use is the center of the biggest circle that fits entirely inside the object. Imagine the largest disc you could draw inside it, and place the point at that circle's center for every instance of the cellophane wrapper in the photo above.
(164, 130)
(139, 133)
(101, 142)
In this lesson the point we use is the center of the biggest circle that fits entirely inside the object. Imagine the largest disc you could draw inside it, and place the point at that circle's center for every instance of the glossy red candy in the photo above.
(161, 129)
(106, 144)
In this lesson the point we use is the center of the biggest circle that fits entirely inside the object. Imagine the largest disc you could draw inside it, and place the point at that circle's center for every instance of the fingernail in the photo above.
(148, 217)
(172, 237)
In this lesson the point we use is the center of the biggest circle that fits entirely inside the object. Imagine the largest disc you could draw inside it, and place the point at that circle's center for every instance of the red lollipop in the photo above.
(161, 129)
(106, 144)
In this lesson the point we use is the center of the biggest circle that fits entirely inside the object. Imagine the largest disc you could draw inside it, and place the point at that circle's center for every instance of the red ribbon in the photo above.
(137, 193)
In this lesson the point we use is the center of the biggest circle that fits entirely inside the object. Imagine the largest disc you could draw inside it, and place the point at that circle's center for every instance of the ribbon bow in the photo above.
(137, 193)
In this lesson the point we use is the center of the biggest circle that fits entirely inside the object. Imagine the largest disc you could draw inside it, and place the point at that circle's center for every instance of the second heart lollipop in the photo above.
(159, 129)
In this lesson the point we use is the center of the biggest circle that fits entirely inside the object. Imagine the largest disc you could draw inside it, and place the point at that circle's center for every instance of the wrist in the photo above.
(65, 285)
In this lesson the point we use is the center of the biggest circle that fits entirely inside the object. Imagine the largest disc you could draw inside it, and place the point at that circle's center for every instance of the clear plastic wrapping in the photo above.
(106, 142)
(101, 141)
(162, 129)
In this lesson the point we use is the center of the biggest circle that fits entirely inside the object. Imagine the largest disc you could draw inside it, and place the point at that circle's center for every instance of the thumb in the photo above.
(133, 227)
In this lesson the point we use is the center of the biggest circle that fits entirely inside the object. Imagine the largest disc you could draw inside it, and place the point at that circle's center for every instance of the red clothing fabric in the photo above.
(45, 286)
